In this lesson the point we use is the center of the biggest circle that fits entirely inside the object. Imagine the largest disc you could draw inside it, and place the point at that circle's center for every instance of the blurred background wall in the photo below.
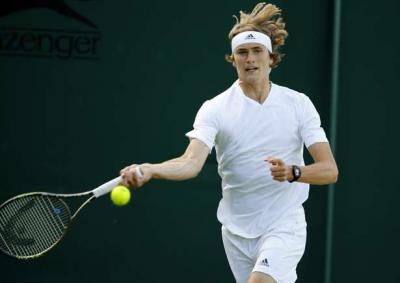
(90, 86)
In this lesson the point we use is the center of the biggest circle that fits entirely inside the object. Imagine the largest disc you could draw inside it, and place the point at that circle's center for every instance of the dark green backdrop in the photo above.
(68, 124)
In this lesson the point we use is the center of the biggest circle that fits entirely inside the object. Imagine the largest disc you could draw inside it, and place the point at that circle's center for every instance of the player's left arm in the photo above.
(323, 171)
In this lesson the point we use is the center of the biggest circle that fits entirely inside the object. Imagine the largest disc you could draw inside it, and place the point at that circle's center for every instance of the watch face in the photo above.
(296, 171)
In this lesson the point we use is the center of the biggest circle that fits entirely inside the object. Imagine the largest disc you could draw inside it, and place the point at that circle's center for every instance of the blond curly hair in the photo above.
(264, 18)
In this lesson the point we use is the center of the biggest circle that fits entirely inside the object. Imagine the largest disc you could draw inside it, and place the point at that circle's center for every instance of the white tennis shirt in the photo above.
(245, 132)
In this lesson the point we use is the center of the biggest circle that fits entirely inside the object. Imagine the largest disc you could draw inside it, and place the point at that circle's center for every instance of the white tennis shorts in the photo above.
(276, 253)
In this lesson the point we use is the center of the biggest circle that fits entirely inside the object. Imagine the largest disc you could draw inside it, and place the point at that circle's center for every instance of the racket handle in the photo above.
(107, 187)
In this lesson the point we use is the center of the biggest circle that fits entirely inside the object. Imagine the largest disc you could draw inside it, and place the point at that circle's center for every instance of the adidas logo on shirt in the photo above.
(250, 36)
(264, 262)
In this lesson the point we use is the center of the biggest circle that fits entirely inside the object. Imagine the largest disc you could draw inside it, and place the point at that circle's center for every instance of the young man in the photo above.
(258, 129)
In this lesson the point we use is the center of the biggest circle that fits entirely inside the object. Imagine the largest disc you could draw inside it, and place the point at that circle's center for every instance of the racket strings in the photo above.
(15, 244)
(30, 225)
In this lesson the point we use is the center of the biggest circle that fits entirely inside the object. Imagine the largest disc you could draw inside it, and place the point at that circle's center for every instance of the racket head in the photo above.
(32, 224)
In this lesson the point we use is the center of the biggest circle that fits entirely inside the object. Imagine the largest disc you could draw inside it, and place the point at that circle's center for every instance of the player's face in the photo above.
(252, 62)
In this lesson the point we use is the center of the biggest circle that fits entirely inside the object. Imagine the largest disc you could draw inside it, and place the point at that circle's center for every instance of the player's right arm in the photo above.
(184, 167)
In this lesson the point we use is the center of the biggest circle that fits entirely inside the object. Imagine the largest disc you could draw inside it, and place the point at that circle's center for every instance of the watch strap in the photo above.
(296, 172)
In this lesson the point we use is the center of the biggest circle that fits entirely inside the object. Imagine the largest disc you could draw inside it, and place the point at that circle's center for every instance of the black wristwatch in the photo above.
(296, 171)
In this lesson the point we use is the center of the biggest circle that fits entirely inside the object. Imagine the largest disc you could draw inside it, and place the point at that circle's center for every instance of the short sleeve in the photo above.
(310, 124)
(205, 125)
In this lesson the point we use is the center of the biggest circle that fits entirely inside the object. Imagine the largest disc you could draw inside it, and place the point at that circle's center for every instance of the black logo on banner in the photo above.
(49, 41)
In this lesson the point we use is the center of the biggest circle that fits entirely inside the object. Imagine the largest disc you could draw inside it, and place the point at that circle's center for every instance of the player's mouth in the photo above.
(251, 69)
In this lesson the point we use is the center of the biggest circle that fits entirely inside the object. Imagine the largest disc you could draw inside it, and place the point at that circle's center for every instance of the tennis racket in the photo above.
(32, 224)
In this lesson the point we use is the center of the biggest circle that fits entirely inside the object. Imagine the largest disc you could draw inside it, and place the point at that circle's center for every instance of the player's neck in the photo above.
(257, 90)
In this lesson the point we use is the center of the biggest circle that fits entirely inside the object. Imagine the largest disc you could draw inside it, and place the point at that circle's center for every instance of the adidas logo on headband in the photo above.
(250, 36)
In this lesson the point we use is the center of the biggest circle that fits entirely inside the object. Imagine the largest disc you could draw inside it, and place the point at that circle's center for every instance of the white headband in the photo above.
(251, 37)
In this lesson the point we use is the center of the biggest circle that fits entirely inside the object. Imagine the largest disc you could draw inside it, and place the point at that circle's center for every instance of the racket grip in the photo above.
(106, 187)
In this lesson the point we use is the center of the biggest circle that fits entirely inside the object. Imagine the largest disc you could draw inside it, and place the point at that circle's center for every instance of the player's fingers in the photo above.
(127, 168)
(126, 177)
(272, 159)
(133, 176)
(279, 174)
(280, 179)
(124, 183)
(132, 184)
(137, 177)
(277, 168)
(268, 159)
(123, 170)
(276, 161)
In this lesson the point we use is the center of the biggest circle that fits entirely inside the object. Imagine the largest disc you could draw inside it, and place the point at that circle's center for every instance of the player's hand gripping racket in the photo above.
(31, 224)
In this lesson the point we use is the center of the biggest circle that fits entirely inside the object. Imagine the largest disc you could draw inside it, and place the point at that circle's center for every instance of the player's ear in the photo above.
(271, 61)
(230, 59)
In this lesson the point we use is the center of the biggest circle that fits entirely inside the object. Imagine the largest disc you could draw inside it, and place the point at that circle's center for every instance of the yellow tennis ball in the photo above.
(120, 195)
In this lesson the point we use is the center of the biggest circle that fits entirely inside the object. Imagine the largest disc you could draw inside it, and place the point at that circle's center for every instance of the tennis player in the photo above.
(258, 129)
